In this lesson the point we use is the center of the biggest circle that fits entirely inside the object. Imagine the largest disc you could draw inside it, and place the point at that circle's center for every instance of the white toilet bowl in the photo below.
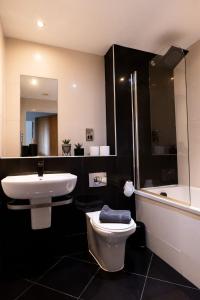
(106, 241)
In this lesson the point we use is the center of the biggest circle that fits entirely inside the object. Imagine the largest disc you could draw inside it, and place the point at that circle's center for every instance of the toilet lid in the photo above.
(114, 227)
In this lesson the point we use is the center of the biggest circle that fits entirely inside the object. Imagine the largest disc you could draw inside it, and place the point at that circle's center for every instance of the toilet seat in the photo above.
(110, 227)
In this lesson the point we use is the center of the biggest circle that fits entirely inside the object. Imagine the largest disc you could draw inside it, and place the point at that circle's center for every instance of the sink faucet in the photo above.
(40, 167)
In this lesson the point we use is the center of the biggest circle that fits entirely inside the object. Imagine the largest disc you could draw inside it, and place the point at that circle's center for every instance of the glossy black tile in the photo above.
(156, 290)
(161, 270)
(69, 276)
(30, 267)
(10, 287)
(84, 256)
(42, 293)
(137, 260)
(118, 286)
(61, 246)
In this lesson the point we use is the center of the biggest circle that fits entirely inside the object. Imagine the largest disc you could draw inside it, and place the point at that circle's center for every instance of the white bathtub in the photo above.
(173, 227)
(179, 196)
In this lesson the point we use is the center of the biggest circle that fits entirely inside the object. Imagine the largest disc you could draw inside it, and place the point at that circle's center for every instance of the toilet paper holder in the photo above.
(129, 188)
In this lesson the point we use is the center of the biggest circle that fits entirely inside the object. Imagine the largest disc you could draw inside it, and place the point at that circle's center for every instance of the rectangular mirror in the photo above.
(38, 116)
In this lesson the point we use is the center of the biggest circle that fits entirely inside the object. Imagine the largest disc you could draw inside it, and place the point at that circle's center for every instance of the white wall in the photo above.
(193, 97)
(2, 77)
(173, 235)
(180, 99)
(78, 108)
(193, 106)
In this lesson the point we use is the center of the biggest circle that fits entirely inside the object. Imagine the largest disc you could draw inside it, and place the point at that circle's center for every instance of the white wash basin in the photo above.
(39, 191)
(33, 186)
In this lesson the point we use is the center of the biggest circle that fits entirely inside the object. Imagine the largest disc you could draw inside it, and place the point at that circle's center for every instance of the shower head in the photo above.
(171, 59)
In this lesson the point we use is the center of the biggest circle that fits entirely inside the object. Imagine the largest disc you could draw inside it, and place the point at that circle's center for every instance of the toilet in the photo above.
(106, 241)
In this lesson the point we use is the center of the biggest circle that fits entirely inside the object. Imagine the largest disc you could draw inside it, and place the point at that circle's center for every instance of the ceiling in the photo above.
(94, 25)
(43, 89)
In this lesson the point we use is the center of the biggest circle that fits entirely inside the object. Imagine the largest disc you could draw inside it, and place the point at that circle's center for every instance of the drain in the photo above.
(163, 194)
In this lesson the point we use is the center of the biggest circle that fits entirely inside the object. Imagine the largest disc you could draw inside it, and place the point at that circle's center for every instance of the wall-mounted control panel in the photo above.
(97, 179)
(89, 134)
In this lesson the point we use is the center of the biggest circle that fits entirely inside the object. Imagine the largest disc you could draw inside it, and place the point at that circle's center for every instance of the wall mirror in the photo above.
(38, 116)
(52, 95)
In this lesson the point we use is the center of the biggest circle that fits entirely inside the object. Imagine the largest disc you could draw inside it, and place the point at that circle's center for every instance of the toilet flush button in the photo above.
(97, 179)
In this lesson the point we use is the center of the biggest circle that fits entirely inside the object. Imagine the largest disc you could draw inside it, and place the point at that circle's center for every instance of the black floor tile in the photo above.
(30, 267)
(70, 276)
(10, 288)
(42, 293)
(161, 270)
(84, 256)
(156, 290)
(137, 260)
(69, 244)
(118, 286)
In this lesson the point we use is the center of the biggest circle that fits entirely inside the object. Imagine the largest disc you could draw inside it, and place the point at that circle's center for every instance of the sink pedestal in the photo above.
(40, 217)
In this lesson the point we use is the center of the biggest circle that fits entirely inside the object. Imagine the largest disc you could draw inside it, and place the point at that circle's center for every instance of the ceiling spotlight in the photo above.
(172, 78)
(37, 56)
(74, 85)
(34, 81)
(122, 79)
(40, 23)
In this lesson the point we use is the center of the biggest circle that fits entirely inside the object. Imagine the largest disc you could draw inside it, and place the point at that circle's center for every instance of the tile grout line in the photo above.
(50, 268)
(89, 282)
(24, 291)
(170, 282)
(133, 273)
(158, 279)
(146, 277)
(81, 260)
(49, 288)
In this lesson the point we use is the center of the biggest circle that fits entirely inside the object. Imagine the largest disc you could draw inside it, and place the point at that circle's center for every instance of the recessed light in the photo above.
(40, 23)
(34, 81)
(37, 56)
(122, 79)
(74, 85)
(172, 78)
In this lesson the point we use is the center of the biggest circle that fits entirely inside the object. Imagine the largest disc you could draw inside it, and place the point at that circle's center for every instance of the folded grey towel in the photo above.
(108, 215)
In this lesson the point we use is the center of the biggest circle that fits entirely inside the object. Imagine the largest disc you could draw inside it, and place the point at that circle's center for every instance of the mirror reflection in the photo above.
(38, 114)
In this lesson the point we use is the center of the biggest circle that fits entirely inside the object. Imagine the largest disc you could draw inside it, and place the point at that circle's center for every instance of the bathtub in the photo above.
(173, 226)
(179, 196)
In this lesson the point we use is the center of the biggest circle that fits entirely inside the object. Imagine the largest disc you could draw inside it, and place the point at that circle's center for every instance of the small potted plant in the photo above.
(66, 147)
(78, 150)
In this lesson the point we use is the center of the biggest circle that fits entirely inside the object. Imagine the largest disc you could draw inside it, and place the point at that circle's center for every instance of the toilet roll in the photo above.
(94, 150)
(104, 150)
(129, 189)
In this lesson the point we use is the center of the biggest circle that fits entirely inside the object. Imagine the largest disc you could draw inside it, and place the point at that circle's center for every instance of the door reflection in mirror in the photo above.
(39, 120)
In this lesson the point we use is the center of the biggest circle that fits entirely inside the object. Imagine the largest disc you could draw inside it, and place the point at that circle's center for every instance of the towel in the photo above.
(108, 215)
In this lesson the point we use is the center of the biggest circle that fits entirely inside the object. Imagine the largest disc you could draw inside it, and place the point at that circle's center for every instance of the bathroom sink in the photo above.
(39, 191)
(33, 186)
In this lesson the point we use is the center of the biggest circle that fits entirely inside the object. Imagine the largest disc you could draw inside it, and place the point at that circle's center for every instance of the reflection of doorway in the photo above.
(46, 135)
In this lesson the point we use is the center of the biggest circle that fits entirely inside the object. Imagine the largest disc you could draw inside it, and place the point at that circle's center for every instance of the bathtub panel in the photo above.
(173, 235)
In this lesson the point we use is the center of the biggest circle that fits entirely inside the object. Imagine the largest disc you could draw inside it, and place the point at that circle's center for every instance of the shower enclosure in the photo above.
(167, 128)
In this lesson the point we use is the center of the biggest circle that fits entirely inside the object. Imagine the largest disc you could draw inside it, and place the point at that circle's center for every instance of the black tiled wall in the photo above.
(161, 169)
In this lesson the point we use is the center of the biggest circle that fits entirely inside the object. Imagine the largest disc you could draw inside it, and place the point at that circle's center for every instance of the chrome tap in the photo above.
(40, 167)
